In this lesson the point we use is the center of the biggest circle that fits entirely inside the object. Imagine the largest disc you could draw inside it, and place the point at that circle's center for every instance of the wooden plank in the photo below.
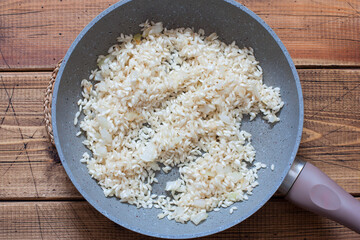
(37, 34)
(324, 32)
(278, 219)
(331, 136)
(29, 168)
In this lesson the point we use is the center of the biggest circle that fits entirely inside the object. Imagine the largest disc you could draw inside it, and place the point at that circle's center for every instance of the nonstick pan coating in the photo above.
(275, 144)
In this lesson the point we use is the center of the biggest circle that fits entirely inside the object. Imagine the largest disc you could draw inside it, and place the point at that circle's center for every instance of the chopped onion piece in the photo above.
(149, 153)
(201, 216)
(200, 203)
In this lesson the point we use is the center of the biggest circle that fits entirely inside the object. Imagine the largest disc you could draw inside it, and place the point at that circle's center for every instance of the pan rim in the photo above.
(188, 235)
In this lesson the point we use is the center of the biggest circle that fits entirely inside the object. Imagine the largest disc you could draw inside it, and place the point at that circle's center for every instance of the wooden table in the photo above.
(38, 201)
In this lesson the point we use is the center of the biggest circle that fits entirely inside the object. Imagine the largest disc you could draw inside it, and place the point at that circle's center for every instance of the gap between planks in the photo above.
(298, 67)
(276, 196)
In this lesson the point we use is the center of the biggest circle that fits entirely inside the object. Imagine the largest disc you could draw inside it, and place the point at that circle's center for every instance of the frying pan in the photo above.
(275, 144)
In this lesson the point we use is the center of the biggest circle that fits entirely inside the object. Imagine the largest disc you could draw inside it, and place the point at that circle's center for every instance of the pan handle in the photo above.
(310, 188)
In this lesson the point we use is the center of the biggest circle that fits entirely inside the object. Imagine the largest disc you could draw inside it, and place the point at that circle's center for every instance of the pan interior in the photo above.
(275, 144)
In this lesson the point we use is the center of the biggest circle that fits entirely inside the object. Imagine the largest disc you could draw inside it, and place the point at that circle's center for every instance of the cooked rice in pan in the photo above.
(169, 98)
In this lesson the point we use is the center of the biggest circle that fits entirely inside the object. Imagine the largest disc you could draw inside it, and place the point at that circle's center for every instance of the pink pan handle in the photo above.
(315, 191)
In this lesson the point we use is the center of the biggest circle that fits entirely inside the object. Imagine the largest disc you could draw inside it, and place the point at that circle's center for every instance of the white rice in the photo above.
(175, 98)
(232, 209)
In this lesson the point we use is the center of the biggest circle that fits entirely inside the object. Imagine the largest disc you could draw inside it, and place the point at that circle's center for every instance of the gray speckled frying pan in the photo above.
(275, 144)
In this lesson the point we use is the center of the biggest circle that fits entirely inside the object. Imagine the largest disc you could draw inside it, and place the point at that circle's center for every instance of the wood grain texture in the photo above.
(315, 32)
(331, 136)
(29, 167)
(37, 199)
(278, 219)
(37, 34)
